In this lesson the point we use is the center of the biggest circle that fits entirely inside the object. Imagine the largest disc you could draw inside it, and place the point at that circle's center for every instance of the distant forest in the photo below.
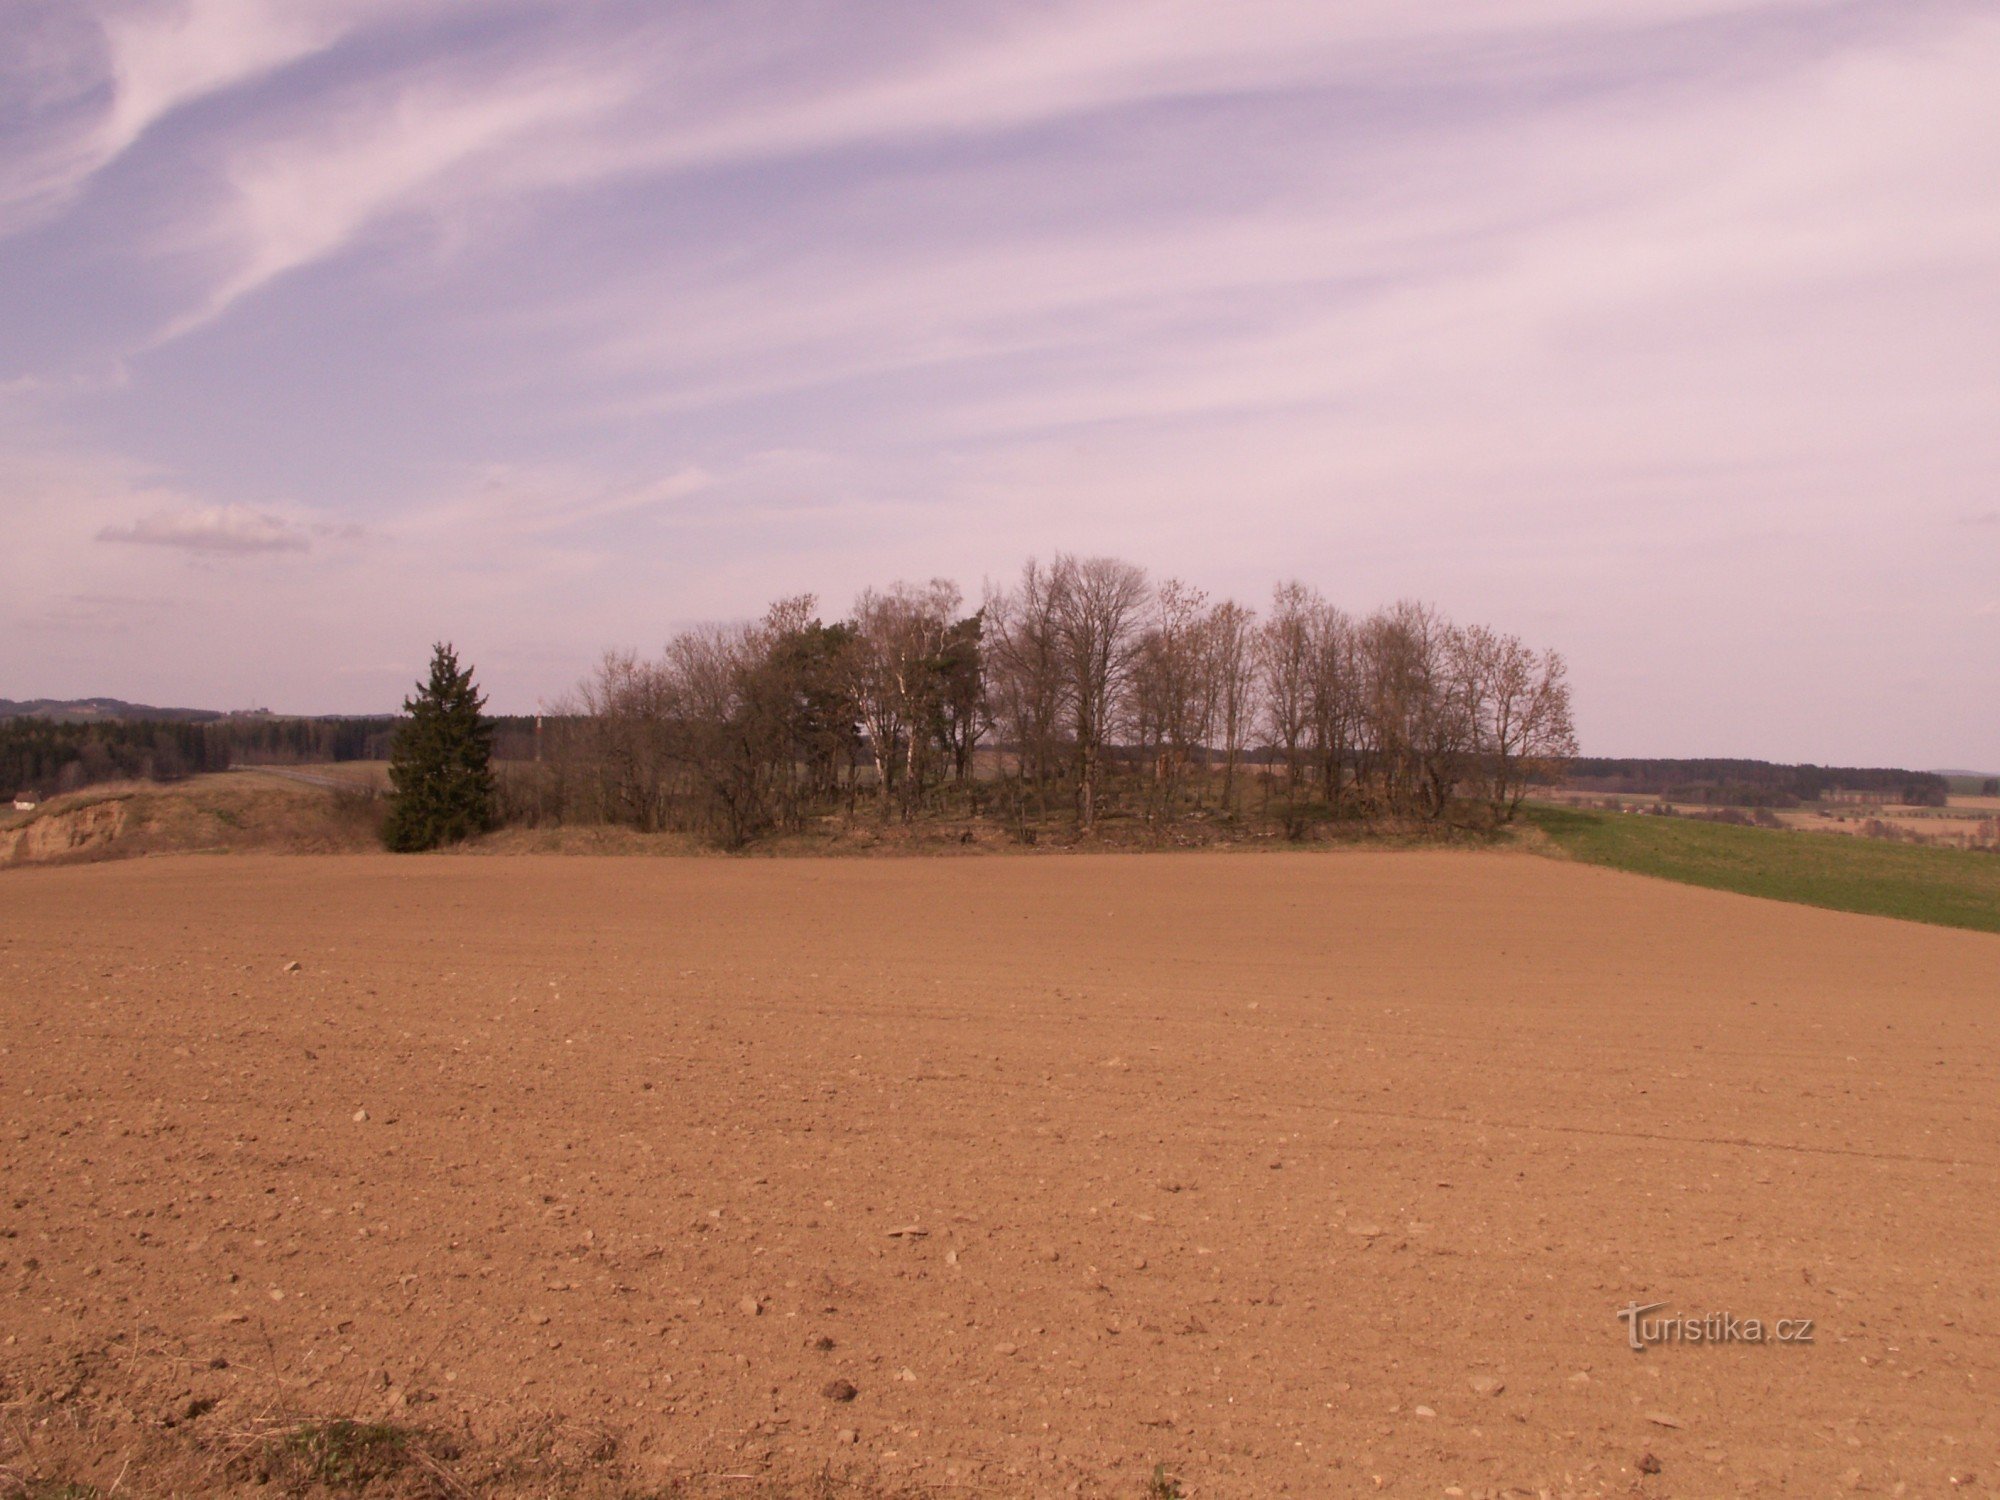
(97, 710)
(46, 756)
(1752, 783)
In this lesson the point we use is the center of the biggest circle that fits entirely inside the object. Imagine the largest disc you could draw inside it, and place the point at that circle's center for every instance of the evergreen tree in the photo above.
(440, 767)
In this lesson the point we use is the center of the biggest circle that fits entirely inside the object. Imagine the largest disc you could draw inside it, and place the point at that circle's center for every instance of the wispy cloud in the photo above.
(512, 503)
(165, 55)
(496, 123)
(98, 614)
(296, 200)
(105, 74)
(221, 529)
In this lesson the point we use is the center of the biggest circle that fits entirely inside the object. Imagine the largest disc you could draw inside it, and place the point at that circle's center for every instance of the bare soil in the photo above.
(1312, 1174)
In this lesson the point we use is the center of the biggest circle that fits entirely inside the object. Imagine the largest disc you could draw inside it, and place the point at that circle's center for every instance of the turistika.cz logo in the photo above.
(1643, 1332)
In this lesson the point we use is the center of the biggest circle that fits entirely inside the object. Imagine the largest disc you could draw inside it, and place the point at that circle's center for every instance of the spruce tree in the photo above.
(440, 769)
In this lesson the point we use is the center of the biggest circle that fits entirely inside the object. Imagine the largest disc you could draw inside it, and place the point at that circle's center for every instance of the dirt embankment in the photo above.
(338, 809)
(233, 812)
(1316, 1175)
(64, 833)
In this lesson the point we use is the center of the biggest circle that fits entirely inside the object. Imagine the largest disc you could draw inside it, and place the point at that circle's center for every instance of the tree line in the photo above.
(48, 756)
(1080, 691)
(1753, 783)
(43, 757)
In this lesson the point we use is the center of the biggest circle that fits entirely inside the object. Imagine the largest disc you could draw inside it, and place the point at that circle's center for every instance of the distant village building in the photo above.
(24, 802)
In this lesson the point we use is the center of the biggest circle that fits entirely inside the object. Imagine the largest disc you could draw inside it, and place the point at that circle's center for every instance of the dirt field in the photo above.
(1299, 1174)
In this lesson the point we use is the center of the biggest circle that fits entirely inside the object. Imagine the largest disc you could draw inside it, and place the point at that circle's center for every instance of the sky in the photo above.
(1665, 333)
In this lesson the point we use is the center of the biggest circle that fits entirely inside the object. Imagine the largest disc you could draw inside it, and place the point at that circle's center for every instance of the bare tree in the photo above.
(1334, 697)
(718, 741)
(901, 638)
(1028, 686)
(1172, 691)
(626, 705)
(1285, 678)
(1097, 605)
(1416, 706)
(1231, 637)
(1519, 708)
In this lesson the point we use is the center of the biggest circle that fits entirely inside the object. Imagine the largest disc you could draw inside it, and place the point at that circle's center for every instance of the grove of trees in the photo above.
(1079, 692)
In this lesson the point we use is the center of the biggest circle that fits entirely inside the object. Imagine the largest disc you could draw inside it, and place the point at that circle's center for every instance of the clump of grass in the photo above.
(48, 1489)
(1163, 1486)
(343, 1456)
(1948, 887)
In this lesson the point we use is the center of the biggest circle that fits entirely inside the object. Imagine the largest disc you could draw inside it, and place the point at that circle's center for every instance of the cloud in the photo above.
(527, 505)
(1000, 68)
(110, 614)
(145, 60)
(165, 55)
(301, 199)
(217, 529)
(1599, 215)
(652, 96)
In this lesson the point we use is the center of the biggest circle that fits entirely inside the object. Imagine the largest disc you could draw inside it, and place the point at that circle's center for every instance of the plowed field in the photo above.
(1316, 1174)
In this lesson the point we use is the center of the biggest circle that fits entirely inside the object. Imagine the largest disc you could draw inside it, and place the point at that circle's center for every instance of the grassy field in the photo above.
(1968, 786)
(1951, 887)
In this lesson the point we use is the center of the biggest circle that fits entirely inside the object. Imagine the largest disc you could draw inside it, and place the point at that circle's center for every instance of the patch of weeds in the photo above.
(343, 1455)
(1163, 1486)
(48, 1489)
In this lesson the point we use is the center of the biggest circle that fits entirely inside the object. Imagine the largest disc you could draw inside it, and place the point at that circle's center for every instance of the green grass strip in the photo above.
(1948, 887)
